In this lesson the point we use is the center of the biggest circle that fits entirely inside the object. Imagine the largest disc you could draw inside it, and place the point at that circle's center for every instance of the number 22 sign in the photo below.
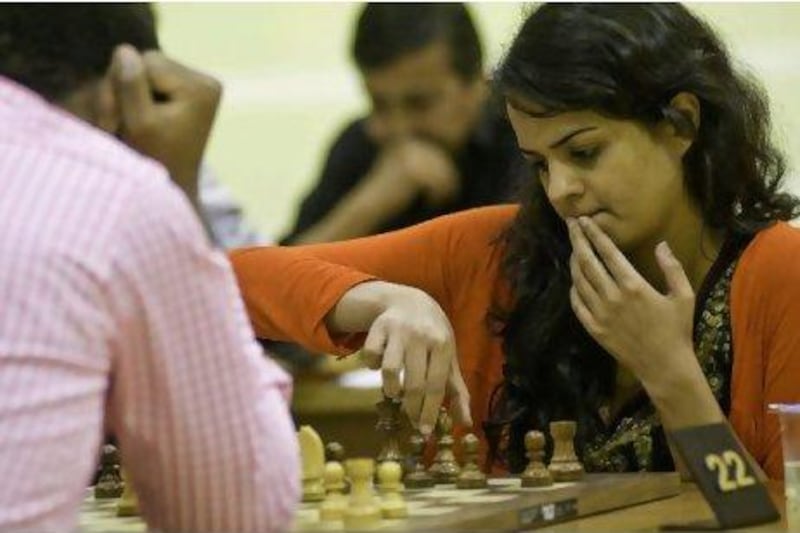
(731, 470)
(724, 475)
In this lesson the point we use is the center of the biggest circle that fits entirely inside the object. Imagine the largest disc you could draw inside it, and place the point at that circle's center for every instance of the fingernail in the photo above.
(664, 249)
(425, 429)
(584, 221)
(130, 62)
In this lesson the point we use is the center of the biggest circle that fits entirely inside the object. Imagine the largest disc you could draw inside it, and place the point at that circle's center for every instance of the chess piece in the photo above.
(109, 483)
(335, 503)
(445, 469)
(361, 512)
(536, 474)
(417, 477)
(471, 476)
(334, 452)
(389, 425)
(312, 454)
(128, 504)
(564, 465)
(392, 505)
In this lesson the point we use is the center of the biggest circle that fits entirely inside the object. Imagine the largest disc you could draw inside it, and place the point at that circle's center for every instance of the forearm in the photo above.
(361, 212)
(683, 399)
(288, 292)
(693, 404)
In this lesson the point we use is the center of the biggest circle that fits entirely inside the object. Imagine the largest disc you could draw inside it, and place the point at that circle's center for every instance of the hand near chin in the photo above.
(166, 111)
(648, 332)
(422, 167)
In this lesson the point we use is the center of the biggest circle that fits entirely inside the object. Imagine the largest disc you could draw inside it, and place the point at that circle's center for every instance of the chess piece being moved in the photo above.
(564, 465)
(536, 474)
(471, 476)
(335, 503)
(361, 512)
(312, 454)
(416, 475)
(392, 504)
(445, 469)
(389, 425)
(109, 484)
(128, 504)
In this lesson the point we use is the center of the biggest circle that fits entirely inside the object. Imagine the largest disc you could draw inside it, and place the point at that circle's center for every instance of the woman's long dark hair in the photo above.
(625, 61)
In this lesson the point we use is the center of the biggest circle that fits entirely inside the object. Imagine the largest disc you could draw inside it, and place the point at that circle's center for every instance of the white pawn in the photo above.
(332, 509)
(393, 504)
(361, 513)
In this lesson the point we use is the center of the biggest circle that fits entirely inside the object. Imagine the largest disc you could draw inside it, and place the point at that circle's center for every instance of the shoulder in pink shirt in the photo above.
(116, 311)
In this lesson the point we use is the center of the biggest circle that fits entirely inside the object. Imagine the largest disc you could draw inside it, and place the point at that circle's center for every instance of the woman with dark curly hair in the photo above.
(646, 280)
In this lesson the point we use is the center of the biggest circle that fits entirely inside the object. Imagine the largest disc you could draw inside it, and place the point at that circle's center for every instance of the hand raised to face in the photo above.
(422, 167)
(166, 110)
(646, 331)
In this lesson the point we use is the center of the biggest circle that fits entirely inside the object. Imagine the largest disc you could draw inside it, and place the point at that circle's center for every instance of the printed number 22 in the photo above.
(731, 470)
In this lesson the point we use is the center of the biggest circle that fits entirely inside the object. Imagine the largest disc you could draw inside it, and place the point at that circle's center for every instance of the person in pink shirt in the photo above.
(117, 316)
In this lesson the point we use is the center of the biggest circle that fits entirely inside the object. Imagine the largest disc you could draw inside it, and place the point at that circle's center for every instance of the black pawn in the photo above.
(444, 469)
(109, 484)
(536, 474)
(417, 477)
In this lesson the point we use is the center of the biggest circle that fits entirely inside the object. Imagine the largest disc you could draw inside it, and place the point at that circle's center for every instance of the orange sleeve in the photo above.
(765, 314)
(289, 290)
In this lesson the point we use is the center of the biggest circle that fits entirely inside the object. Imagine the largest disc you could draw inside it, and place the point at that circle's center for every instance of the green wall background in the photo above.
(289, 85)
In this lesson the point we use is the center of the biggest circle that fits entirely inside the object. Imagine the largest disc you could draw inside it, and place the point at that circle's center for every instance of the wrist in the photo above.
(361, 305)
(385, 192)
(663, 372)
(682, 395)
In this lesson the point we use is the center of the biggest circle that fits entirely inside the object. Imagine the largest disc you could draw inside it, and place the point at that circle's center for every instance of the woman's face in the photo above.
(624, 175)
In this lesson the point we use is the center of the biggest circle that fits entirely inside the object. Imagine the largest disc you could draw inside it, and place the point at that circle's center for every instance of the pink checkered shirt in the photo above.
(116, 313)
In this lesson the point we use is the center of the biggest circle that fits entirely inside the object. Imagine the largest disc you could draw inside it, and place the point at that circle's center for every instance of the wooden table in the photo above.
(687, 507)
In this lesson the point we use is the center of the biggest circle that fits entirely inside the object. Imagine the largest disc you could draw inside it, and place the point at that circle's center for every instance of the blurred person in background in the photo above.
(433, 143)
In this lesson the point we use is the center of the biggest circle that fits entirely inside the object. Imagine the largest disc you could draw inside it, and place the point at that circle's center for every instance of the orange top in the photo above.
(456, 259)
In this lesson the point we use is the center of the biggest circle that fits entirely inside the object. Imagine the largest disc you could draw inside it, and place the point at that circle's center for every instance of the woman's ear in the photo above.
(687, 106)
(682, 120)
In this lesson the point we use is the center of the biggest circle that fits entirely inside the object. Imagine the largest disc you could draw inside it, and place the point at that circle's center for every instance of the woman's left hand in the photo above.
(646, 331)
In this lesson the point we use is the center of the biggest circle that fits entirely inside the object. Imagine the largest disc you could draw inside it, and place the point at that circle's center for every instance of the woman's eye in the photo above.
(584, 154)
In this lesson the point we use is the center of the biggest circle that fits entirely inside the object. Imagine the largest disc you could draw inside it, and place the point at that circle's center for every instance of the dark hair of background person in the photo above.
(625, 61)
(53, 49)
(386, 32)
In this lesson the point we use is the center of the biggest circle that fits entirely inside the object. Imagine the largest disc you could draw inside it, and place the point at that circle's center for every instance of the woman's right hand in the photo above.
(411, 340)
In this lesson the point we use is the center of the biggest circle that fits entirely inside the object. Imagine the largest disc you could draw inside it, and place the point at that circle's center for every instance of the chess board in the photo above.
(504, 505)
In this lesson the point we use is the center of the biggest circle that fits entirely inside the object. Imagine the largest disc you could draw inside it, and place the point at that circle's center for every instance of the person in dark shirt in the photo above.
(433, 142)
